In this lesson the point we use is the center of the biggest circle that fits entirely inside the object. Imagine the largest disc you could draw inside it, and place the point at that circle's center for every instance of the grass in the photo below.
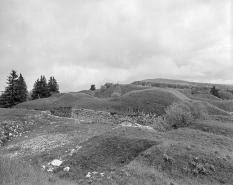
(148, 100)
(16, 172)
(104, 153)
(198, 154)
(226, 105)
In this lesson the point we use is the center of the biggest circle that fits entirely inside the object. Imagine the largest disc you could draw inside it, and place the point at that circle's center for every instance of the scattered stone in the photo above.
(56, 162)
(66, 169)
(88, 175)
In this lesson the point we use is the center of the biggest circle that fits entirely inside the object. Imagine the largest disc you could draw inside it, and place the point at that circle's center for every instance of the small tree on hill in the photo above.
(92, 87)
(52, 85)
(214, 91)
(21, 89)
(40, 89)
(15, 92)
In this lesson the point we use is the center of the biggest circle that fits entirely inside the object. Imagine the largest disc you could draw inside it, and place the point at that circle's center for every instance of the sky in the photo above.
(84, 42)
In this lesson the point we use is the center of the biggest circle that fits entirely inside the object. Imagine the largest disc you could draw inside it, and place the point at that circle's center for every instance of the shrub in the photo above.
(184, 113)
(225, 95)
(179, 115)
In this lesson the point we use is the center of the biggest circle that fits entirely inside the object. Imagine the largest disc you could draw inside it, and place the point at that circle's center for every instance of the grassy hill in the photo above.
(149, 100)
(153, 100)
(182, 82)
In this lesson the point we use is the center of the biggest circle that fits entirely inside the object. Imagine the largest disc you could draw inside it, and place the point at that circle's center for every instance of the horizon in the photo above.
(92, 42)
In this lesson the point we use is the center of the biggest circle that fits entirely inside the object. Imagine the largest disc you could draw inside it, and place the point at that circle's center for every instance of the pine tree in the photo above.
(35, 91)
(21, 89)
(214, 91)
(8, 98)
(53, 86)
(40, 89)
(15, 92)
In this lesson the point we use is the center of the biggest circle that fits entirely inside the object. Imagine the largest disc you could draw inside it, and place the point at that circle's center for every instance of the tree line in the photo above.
(16, 90)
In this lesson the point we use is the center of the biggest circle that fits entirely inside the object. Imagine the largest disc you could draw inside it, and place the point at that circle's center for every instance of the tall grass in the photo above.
(17, 172)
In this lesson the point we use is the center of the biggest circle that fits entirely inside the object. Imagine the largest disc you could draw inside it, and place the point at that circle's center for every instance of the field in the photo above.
(199, 153)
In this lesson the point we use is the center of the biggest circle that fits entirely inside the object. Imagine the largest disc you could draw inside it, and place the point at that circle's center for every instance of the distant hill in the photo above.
(182, 82)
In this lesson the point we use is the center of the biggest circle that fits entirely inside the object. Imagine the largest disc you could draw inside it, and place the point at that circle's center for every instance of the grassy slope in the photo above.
(226, 105)
(140, 152)
(77, 100)
(134, 155)
(149, 100)
(15, 172)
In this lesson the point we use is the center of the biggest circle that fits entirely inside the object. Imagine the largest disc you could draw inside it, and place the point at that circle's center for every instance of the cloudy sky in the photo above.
(84, 42)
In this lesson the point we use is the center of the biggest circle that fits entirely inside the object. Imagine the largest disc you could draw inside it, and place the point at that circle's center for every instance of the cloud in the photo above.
(84, 42)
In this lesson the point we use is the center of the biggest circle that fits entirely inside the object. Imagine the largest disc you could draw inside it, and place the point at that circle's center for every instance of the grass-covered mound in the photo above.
(109, 151)
(226, 105)
(190, 157)
(151, 100)
(76, 100)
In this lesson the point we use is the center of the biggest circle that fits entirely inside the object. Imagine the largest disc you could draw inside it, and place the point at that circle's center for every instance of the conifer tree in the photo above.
(53, 86)
(40, 89)
(21, 89)
(15, 92)
(35, 91)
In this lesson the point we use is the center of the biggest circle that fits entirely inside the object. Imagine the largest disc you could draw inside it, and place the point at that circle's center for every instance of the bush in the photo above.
(225, 95)
(182, 114)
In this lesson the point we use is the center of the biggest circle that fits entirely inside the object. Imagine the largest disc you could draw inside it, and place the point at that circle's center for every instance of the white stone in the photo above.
(56, 162)
(88, 175)
(50, 170)
(66, 169)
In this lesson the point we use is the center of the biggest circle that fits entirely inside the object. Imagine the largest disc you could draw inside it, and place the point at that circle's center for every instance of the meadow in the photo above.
(163, 136)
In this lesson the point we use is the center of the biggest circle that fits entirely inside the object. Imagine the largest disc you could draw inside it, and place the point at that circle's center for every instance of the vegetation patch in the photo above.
(184, 113)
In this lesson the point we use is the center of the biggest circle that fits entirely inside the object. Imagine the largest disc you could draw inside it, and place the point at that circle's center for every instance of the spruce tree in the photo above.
(40, 89)
(9, 96)
(35, 91)
(21, 89)
(15, 92)
(53, 86)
